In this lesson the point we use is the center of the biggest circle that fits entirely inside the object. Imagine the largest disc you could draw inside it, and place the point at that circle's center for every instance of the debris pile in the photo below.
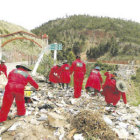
(55, 115)
(91, 124)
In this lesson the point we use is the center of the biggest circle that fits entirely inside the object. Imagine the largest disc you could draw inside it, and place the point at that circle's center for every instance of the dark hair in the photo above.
(78, 57)
(114, 73)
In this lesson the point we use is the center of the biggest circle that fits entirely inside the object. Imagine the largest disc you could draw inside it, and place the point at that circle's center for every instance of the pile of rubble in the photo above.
(56, 115)
(92, 125)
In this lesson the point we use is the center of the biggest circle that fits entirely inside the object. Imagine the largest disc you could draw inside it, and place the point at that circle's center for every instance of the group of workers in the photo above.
(61, 74)
(19, 78)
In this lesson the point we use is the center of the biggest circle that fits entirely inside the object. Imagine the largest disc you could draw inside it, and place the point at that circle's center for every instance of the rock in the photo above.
(122, 133)
(78, 137)
(107, 120)
(123, 125)
(42, 118)
(19, 136)
(14, 126)
(56, 120)
(34, 122)
(71, 133)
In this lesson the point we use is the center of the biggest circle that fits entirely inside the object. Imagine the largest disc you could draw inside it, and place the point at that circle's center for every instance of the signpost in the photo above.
(55, 47)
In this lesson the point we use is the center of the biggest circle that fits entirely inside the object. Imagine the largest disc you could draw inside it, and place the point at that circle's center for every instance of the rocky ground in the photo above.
(54, 115)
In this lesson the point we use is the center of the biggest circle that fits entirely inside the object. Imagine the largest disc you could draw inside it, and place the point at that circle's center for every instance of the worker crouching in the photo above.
(94, 81)
(113, 91)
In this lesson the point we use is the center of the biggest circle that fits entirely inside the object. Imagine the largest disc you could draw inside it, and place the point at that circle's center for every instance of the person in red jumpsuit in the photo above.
(65, 74)
(54, 76)
(17, 80)
(79, 69)
(3, 68)
(108, 76)
(94, 81)
(58, 73)
(111, 93)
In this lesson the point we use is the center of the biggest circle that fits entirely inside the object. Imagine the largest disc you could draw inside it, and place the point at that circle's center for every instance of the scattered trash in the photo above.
(78, 137)
(46, 106)
(59, 113)
(14, 126)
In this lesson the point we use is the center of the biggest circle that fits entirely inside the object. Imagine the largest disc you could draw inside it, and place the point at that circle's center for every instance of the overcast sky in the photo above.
(33, 13)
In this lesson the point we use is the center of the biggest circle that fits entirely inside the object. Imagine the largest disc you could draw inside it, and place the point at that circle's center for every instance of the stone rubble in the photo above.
(48, 117)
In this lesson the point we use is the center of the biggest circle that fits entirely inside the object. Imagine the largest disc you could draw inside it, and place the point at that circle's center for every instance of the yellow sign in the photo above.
(27, 92)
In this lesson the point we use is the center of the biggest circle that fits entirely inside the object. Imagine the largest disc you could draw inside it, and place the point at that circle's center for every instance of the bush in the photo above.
(45, 66)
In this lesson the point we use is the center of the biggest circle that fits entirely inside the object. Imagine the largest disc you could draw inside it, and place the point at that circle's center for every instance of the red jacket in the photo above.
(54, 75)
(65, 73)
(94, 80)
(112, 95)
(3, 68)
(20, 78)
(79, 69)
(108, 76)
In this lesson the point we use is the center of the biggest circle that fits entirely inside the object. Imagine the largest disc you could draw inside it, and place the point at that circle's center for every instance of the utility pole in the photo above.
(55, 55)
(41, 55)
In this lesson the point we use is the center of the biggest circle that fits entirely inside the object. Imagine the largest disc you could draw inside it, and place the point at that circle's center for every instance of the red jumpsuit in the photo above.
(17, 80)
(3, 68)
(94, 80)
(112, 95)
(52, 77)
(108, 76)
(58, 72)
(79, 69)
(65, 73)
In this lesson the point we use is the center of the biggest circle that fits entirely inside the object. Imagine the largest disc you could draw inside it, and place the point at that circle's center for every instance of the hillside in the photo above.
(100, 38)
(17, 50)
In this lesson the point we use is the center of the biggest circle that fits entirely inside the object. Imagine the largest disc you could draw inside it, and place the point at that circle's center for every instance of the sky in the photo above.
(33, 13)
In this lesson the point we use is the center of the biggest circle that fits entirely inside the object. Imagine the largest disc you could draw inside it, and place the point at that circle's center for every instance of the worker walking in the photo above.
(17, 80)
(65, 74)
(79, 69)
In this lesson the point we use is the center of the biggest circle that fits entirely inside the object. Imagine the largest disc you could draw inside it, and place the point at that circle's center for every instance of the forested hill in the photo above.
(94, 37)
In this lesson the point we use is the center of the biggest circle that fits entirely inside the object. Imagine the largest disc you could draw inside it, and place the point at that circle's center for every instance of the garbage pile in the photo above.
(92, 125)
(55, 115)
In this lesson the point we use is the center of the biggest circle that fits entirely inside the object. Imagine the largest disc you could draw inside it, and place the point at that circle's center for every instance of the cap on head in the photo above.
(2, 61)
(114, 74)
(78, 57)
(23, 67)
(65, 61)
(59, 64)
(97, 68)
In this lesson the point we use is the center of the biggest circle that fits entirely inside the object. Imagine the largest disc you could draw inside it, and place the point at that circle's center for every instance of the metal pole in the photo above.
(39, 59)
(55, 54)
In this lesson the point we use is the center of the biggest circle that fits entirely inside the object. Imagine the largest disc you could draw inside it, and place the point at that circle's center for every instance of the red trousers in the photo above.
(77, 88)
(10, 94)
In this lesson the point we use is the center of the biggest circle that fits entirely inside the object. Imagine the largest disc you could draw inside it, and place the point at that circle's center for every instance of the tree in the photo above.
(70, 57)
(45, 66)
(114, 47)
